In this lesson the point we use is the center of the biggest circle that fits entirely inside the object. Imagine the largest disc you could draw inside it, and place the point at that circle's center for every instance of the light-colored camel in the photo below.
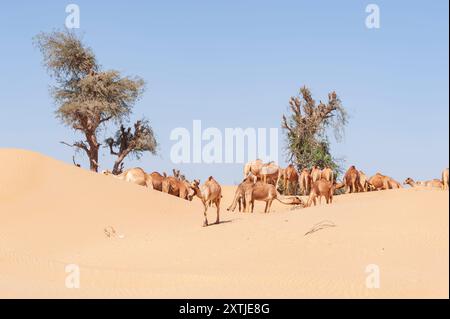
(209, 192)
(435, 183)
(253, 167)
(321, 188)
(134, 175)
(290, 180)
(352, 180)
(328, 174)
(305, 181)
(267, 193)
(270, 173)
(316, 174)
(364, 185)
(445, 179)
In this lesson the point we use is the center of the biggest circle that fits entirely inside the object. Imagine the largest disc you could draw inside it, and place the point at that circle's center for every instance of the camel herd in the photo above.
(261, 181)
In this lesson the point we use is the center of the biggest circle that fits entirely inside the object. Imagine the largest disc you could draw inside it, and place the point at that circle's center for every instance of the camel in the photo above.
(445, 179)
(266, 193)
(328, 174)
(305, 181)
(239, 195)
(268, 172)
(209, 192)
(435, 183)
(321, 188)
(364, 185)
(134, 175)
(382, 182)
(253, 167)
(176, 187)
(316, 174)
(157, 180)
(352, 180)
(290, 179)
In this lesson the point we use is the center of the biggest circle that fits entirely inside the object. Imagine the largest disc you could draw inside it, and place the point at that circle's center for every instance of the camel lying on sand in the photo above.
(266, 193)
(445, 179)
(435, 183)
(382, 182)
(209, 192)
(134, 175)
(175, 186)
(352, 180)
(290, 179)
(321, 188)
(305, 181)
(328, 174)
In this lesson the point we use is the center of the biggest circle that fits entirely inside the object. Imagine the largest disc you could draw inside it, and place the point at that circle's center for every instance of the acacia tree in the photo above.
(86, 96)
(126, 142)
(306, 129)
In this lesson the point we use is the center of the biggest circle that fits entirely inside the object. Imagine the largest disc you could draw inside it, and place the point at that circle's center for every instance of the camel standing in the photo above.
(134, 175)
(363, 182)
(270, 173)
(445, 179)
(321, 188)
(209, 192)
(157, 180)
(352, 180)
(435, 183)
(316, 174)
(290, 179)
(305, 181)
(239, 195)
(328, 174)
(266, 193)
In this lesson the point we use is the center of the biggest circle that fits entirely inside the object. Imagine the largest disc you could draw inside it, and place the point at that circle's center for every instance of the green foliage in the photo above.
(306, 128)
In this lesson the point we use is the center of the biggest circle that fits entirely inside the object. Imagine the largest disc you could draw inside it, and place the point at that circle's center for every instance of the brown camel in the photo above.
(270, 173)
(176, 187)
(134, 175)
(352, 180)
(316, 174)
(382, 182)
(290, 180)
(321, 188)
(445, 179)
(209, 192)
(435, 183)
(239, 195)
(266, 193)
(328, 174)
(305, 181)
(157, 180)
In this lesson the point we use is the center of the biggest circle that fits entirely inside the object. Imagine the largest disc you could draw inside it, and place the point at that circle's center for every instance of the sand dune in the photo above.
(53, 214)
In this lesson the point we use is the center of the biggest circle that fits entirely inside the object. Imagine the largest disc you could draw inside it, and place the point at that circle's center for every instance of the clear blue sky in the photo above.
(236, 63)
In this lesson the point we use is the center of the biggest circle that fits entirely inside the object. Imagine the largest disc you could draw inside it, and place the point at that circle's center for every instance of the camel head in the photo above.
(409, 181)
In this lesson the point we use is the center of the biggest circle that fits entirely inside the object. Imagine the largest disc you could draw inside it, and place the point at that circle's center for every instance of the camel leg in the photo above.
(217, 202)
(269, 205)
(265, 208)
(253, 205)
(205, 223)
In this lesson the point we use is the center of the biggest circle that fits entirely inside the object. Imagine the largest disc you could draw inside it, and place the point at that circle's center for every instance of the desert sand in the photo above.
(53, 214)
